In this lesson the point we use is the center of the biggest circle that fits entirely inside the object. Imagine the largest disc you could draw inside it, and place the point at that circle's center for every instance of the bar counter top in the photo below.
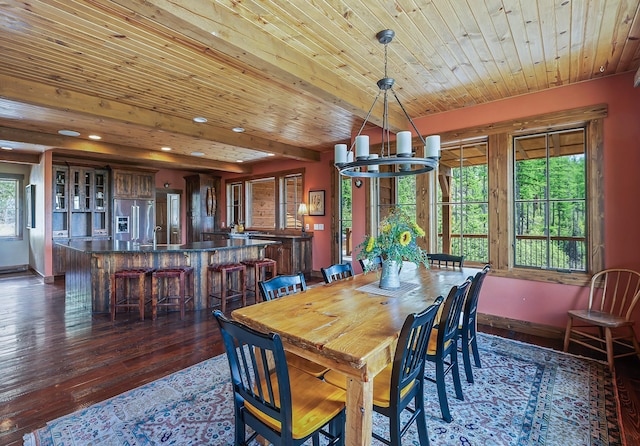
(109, 246)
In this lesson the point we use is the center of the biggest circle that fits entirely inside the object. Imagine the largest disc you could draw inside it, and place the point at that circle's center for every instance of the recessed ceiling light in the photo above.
(165, 149)
(95, 137)
(271, 154)
(6, 148)
(238, 129)
(199, 119)
(69, 132)
(197, 153)
(239, 161)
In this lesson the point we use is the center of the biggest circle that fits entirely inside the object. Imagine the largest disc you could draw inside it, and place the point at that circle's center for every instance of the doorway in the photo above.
(168, 217)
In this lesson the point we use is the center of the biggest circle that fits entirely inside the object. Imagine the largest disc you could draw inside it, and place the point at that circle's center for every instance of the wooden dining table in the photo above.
(352, 326)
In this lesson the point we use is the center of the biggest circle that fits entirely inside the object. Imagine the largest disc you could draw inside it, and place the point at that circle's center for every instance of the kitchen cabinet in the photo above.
(293, 254)
(80, 208)
(134, 184)
(203, 213)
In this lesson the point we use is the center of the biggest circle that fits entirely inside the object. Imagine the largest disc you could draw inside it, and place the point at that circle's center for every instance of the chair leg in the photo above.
(423, 433)
(567, 334)
(474, 346)
(141, 297)
(455, 371)
(442, 390)
(154, 297)
(223, 291)
(113, 298)
(466, 359)
(609, 341)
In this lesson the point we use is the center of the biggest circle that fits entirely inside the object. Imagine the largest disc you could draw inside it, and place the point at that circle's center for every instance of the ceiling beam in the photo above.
(100, 150)
(20, 90)
(10, 156)
(231, 34)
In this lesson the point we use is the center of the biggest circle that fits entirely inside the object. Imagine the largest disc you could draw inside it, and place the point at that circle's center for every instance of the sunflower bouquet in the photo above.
(396, 240)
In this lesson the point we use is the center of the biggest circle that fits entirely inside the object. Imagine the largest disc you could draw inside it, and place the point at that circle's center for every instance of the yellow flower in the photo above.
(370, 244)
(405, 238)
(419, 230)
(386, 228)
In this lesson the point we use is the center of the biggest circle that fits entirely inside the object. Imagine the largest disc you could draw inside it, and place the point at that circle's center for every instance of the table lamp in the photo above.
(302, 210)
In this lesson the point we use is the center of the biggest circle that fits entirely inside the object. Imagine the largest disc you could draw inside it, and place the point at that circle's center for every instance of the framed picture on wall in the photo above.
(30, 201)
(316, 202)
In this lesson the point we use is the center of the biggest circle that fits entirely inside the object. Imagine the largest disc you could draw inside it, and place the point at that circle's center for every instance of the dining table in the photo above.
(352, 326)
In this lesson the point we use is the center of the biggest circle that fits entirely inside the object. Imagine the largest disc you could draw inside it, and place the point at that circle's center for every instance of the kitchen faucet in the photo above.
(155, 239)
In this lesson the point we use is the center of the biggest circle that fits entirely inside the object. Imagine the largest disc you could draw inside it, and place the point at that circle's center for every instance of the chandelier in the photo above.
(358, 162)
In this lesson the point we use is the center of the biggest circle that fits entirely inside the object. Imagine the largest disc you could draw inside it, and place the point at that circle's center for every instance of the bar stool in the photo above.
(136, 295)
(180, 278)
(260, 268)
(226, 288)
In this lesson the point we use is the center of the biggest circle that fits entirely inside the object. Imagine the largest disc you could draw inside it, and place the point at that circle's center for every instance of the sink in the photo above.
(159, 245)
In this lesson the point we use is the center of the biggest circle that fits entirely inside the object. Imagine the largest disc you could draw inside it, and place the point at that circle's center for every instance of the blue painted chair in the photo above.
(443, 346)
(371, 265)
(263, 397)
(446, 260)
(402, 382)
(468, 324)
(280, 286)
(338, 271)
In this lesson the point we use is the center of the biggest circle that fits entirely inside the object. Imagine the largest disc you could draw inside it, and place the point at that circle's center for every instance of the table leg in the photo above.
(359, 412)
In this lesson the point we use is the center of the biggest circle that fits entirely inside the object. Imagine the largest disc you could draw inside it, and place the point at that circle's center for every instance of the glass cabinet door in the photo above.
(60, 219)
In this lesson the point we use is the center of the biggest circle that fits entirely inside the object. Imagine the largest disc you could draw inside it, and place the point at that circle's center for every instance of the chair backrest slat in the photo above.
(338, 271)
(446, 260)
(450, 316)
(282, 286)
(408, 363)
(258, 369)
(615, 291)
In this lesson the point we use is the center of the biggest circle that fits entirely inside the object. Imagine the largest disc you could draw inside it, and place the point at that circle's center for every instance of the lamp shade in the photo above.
(302, 209)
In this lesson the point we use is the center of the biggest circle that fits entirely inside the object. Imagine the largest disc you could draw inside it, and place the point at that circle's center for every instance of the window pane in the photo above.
(292, 196)
(550, 205)
(462, 208)
(235, 212)
(261, 203)
(10, 207)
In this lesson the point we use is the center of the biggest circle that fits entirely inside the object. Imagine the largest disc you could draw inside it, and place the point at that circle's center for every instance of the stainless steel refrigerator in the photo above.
(133, 220)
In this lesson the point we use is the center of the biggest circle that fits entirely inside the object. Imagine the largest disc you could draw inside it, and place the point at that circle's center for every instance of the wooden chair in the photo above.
(263, 397)
(284, 286)
(446, 260)
(468, 323)
(135, 290)
(402, 382)
(172, 287)
(371, 265)
(338, 271)
(443, 343)
(607, 320)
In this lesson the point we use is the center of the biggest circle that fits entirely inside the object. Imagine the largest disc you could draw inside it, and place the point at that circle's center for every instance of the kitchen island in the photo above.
(91, 263)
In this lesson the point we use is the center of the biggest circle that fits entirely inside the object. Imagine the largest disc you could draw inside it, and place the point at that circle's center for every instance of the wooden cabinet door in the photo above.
(123, 184)
(145, 185)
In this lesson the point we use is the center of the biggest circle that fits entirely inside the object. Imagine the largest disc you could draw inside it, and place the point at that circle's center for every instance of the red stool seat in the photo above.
(260, 267)
(181, 277)
(133, 297)
(226, 289)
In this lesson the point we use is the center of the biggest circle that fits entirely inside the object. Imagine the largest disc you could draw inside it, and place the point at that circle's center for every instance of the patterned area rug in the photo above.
(523, 395)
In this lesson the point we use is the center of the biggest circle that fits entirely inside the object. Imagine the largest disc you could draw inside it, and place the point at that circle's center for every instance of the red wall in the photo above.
(547, 303)
(532, 301)
(317, 176)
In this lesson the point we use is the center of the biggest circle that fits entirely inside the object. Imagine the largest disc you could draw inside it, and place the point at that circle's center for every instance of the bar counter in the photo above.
(91, 263)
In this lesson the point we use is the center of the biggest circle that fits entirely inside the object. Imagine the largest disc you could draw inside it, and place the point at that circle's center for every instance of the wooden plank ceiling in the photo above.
(298, 76)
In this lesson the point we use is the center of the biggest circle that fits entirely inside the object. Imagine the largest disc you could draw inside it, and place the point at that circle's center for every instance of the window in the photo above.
(10, 206)
(266, 202)
(261, 196)
(463, 202)
(525, 196)
(550, 200)
(291, 197)
(235, 209)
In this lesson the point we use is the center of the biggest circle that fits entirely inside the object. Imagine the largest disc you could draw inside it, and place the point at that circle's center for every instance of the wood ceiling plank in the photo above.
(243, 38)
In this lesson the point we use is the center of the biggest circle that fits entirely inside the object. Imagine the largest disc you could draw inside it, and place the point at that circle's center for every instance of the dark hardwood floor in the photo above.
(56, 358)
